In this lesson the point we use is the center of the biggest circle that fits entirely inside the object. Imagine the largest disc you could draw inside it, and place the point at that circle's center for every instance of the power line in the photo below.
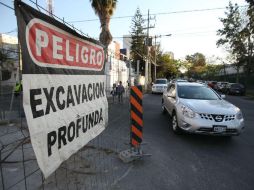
(173, 34)
(6, 5)
(56, 17)
(162, 13)
(11, 31)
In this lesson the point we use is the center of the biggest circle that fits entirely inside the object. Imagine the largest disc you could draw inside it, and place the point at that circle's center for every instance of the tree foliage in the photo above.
(104, 9)
(212, 70)
(168, 67)
(231, 33)
(249, 34)
(137, 39)
(196, 65)
(197, 59)
(237, 35)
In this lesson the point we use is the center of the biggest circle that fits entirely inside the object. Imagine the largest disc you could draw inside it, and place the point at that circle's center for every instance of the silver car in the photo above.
(196, 108)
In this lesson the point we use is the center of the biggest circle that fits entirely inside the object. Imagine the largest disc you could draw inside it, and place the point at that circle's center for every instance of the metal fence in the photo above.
(95, 166)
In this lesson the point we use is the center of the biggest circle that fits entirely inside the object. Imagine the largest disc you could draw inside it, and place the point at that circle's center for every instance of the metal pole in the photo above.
(147, 55)
(129, 73)
(137, 77)
(130, 98)
(17, 77)
(155, 58)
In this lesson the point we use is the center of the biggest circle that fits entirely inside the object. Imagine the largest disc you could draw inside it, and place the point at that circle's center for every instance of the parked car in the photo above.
(235, 89)
(212, 84)
(196, 108)
(160, 85)
(178, 80)
(221, 86)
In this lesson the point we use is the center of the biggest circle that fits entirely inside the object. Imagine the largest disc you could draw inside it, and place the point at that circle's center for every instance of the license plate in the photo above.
(219, 128)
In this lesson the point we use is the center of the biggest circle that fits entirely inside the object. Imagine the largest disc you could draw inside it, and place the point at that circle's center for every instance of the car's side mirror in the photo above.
(223, 96)
(171, 96)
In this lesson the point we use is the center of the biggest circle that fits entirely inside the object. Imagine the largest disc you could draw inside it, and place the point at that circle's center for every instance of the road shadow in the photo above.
(206, 139)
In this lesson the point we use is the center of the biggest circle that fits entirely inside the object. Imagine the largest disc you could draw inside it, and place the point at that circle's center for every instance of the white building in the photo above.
(127, 42)
(116, 69)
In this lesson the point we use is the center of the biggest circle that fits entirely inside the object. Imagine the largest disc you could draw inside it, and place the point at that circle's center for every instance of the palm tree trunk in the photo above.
(105, 36)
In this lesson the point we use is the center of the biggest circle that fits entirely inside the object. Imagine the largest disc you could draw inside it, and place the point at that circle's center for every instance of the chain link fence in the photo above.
(95, 166)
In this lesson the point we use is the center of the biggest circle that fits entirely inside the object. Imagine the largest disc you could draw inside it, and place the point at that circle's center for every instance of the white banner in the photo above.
(64, 112)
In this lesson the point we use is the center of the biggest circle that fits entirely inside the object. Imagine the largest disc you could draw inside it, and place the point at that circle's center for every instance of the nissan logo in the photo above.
(218, 118)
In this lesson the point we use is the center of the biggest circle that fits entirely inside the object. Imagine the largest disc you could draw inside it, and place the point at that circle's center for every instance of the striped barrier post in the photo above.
(136, 124)
(136, 113)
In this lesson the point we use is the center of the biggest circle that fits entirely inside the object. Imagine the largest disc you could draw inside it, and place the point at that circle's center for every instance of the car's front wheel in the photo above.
(176, 129)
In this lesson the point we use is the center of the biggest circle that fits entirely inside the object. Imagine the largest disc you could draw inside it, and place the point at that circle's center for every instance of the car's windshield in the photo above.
(196, 92)
(160, 82)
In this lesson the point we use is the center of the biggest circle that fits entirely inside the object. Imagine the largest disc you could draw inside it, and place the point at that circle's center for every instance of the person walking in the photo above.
(120, 91)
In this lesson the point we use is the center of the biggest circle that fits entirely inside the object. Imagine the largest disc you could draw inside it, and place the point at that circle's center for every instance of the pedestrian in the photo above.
(114, 92)
(120, 91)
(128, 84)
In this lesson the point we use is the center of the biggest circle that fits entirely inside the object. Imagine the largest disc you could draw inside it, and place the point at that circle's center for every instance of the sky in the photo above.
(191, 32)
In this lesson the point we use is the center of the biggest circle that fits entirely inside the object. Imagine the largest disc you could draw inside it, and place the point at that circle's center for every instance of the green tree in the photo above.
(137, 43)
(232, 36)
(248, 32)
(104, 9)
(211, 71)
(168, 67)
(197, 63)
(197, 59)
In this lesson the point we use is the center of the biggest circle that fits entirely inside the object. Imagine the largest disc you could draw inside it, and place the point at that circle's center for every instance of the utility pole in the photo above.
(147, 53)
(155, 52)
(148, 65)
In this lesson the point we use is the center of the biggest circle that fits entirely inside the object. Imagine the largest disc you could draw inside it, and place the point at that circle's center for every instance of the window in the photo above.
(161, 81)
(196, 92)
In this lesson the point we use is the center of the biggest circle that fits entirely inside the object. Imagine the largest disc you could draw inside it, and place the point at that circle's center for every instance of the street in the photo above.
(191, 161)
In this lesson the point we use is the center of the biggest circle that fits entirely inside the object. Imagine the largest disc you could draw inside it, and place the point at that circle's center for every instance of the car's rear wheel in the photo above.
(176, 129)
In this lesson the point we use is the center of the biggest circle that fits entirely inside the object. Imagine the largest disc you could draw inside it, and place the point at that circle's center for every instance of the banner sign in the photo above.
(64, 85)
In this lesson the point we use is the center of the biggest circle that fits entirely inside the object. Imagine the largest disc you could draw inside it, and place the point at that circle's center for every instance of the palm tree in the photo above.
(104, 9)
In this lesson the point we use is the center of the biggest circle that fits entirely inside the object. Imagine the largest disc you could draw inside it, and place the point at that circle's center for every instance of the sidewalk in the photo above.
(95, 166)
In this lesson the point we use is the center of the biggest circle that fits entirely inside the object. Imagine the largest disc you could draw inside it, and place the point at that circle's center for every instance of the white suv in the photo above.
(196, 108)
(160, 85)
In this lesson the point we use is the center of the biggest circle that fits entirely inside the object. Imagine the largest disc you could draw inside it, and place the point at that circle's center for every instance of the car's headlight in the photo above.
(188, 112)
(239, 115)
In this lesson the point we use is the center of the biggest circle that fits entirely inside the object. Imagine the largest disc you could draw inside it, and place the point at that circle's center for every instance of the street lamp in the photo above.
(155, 52)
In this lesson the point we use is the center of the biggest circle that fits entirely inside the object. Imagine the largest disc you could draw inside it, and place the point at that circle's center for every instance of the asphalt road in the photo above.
(192, 161)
